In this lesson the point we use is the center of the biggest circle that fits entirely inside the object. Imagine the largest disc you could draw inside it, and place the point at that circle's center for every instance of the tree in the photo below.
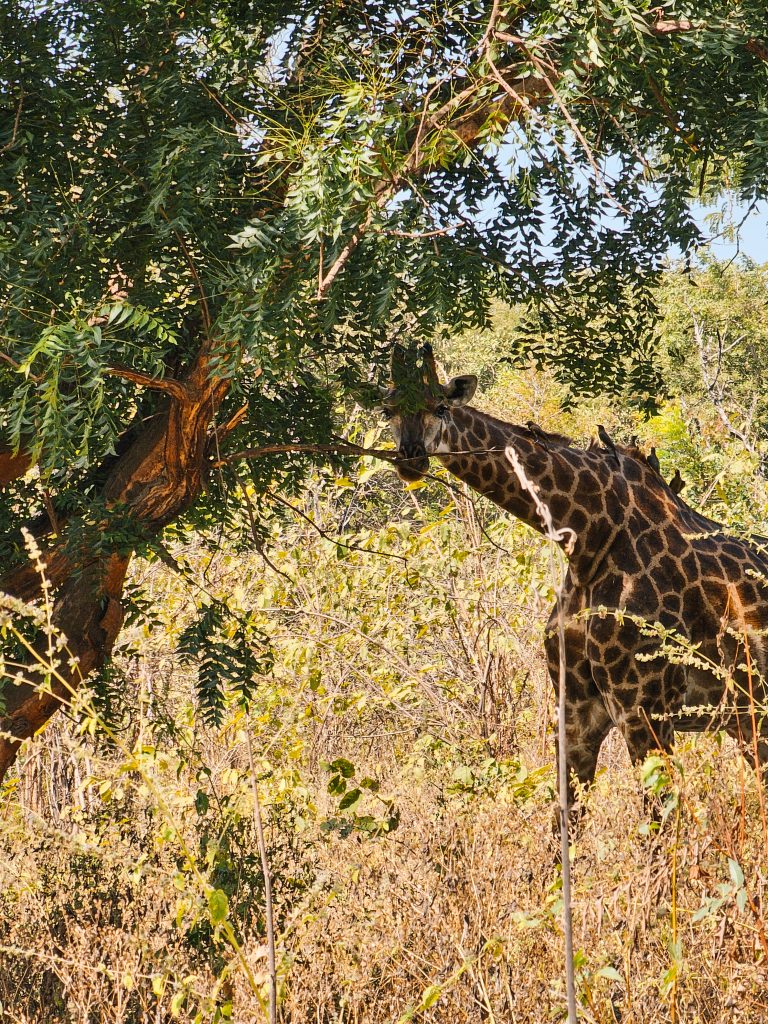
(217, 216)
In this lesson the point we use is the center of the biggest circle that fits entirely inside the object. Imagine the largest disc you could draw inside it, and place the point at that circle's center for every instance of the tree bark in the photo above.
(12, 465)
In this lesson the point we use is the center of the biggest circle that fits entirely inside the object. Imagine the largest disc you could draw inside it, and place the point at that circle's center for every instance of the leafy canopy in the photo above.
(303, 182)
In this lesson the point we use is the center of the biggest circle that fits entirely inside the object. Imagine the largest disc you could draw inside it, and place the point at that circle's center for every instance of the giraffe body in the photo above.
(639, 555)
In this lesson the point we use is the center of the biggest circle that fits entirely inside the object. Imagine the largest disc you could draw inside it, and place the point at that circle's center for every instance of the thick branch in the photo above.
(89, 613)
(514, 102)
(153, 482)
(25, 582)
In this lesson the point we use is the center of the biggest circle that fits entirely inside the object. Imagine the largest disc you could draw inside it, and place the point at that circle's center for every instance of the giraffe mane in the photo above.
(551, 437)
(634, 452)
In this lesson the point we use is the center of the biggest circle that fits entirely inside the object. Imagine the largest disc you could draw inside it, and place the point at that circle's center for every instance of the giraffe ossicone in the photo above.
(637, 552)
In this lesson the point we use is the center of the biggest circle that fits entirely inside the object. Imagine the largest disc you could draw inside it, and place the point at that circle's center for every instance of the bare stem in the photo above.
(564, 537)
(268, 911)
(562, 772)
(343, 448)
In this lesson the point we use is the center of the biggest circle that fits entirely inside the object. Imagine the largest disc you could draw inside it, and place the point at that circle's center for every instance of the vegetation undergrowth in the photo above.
(401, 721)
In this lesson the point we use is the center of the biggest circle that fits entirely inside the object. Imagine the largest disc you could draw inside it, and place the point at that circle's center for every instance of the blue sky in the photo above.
(752, 226)
(753, 234)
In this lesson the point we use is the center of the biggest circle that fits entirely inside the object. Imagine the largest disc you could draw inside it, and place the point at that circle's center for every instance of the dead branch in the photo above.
(343, 448)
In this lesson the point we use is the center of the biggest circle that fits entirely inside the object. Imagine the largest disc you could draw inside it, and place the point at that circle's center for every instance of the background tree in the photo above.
(217, 216)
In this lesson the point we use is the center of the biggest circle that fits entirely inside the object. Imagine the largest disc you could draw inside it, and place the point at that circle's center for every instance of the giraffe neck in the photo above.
(587, 501)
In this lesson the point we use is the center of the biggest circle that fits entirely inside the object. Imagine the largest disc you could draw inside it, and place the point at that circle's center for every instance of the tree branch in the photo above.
(167, 384)
(680, 26)
(667, 28)
(15, 131)
(343, 448)
(25, 583)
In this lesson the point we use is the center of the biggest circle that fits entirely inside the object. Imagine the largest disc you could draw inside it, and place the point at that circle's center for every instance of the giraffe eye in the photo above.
(441, 411)
(386, 414)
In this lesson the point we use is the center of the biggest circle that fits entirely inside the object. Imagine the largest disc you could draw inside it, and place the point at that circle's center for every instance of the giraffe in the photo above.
(637, 555)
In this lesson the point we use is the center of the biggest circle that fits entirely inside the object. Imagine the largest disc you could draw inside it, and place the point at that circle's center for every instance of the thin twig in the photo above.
(343, 448)
(755, 742)
(490, 28)
(327, 536)
(673, 915)
(599, 175)
(16, 122)
(424, 234)
(9, 359)
(257, 541)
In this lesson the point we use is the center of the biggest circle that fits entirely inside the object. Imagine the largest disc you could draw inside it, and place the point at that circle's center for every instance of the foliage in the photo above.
(149, 138)
(716, 338)
(225, 657)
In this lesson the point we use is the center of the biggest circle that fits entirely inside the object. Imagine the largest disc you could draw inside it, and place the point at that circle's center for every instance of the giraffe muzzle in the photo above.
(412, 463)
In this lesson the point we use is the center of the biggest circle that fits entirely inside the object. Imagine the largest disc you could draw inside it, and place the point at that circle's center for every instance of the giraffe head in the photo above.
(418, 407)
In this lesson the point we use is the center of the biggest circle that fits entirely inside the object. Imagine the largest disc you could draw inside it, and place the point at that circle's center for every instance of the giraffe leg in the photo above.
(587, 721)
(643, 704)
(645, 731)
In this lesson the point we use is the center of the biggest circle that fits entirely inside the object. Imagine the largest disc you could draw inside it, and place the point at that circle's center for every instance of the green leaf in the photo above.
(218, 906)
(337, 785)
(734, 870)
(345, 768)
(430, 996)
(349, 799)
(464, 776)
(610, 973)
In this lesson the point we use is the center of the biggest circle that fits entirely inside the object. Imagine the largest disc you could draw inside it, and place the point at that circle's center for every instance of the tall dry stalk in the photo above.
(268, 909)
(557, 536)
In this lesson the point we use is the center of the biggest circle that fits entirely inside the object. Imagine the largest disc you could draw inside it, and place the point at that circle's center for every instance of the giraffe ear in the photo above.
(459, 391)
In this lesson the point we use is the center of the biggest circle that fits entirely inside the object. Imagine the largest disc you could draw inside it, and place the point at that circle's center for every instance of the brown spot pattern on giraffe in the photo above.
(639, 550)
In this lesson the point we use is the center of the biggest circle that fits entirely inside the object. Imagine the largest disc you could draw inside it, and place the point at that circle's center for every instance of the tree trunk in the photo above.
(153, 482)
(12, 465)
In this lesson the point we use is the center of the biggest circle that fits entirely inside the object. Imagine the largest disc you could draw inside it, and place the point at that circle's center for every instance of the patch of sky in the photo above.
(734, 229)
(730, 229)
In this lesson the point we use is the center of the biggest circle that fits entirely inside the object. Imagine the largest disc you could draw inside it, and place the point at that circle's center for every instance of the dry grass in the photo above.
(438, 691)
(461, 899)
